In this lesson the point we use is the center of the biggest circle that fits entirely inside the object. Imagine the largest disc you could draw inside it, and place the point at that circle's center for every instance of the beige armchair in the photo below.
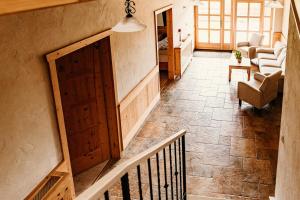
(260, 91)
(248, 49)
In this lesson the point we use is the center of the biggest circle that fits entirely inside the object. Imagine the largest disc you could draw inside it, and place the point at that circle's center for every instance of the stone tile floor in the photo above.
(231, 151)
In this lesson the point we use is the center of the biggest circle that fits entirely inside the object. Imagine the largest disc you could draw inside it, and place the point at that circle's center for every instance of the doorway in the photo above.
(164, 43)
(84, 90)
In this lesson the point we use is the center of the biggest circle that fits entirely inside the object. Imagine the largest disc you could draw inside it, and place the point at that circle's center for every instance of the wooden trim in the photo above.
(171, 65)
(115, 143)
(296, 15)
(78, 45)
(170, 33)
(163, 9)
(60, 115)
(97, 189)
(138, 88)
(55, 172)
(13, 6)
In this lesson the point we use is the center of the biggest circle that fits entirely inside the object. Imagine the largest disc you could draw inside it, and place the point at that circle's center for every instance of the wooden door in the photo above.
(84, 107)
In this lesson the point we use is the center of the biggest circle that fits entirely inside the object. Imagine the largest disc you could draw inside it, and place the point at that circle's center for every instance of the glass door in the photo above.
(214, 24)
(249, 19)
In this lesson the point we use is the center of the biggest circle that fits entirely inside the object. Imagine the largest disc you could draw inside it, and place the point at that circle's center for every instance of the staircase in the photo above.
(158, 173)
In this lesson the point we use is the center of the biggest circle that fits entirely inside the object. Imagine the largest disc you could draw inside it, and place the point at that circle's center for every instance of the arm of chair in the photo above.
(265, 50)
(259, 76)
(250, 94)
(252, 52)
(242, 44)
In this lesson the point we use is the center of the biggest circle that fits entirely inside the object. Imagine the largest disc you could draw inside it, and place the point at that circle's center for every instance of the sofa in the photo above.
(248, 49)
(270, 60)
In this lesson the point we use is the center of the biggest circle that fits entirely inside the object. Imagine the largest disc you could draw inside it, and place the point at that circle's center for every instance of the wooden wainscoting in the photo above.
(137, 105)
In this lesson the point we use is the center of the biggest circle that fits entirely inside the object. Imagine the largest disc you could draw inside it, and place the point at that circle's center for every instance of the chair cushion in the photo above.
(269, 63)
(266, 56)
(256, 39)
(278, 48)
(255, 61)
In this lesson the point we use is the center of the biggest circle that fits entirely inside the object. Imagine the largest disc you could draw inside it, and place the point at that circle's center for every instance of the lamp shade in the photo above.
(273, 4)
(129, 24)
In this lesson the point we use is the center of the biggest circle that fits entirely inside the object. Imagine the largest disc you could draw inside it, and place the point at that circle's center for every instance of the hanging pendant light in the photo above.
(273, 4)
(129, 23)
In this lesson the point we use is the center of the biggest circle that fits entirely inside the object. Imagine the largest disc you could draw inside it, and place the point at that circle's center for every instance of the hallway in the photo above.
(231, 152)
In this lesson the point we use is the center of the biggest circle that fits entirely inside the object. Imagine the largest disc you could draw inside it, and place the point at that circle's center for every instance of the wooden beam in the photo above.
(13, 6)
(78, 45)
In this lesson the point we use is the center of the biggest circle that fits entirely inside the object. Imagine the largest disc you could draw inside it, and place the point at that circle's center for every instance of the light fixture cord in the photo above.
(130, 8)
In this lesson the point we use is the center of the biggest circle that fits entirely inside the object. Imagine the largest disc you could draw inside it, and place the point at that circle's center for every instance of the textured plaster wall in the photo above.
(288, 171)
(29, 144)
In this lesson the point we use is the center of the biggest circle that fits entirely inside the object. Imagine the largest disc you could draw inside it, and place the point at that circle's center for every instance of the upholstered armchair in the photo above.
(260, 91)
(248, 49)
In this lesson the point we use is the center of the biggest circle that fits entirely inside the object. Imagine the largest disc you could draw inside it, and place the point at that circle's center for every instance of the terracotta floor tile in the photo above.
(222, 114)
(231, 151)
(242, 147)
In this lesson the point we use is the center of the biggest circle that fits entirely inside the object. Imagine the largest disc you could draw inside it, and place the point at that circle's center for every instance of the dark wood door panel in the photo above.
(84, 107)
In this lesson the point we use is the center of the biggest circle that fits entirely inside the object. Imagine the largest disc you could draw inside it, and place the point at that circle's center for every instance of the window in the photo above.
(252, 17)
(218, 28)
(267, 26)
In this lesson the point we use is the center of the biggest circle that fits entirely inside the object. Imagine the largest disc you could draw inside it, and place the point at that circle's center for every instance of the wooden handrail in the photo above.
(296, 9)
(105, 183)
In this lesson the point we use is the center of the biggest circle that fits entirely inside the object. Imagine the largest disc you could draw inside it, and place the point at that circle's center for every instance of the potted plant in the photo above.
(238, 56)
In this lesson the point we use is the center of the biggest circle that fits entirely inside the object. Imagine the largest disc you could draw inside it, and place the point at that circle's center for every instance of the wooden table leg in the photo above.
(249, 73)
(230, 74)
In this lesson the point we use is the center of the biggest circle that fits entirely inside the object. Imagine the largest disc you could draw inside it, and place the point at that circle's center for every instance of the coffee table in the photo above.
(245, 65)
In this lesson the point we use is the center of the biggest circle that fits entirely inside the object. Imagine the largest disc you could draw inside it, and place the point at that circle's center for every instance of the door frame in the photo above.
(170, 33)
(111, 105)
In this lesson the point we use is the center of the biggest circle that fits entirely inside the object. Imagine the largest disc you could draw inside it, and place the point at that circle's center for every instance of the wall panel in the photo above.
(137, 105)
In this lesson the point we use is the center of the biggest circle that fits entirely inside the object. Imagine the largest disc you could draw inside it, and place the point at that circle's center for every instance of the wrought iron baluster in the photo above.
(176, 172)
(171, 172)
(166, 174)
(106, 195)
(125, 187)
(184, 167)
(140, 182)
(150, 178)
(180, 167)
(158, 176)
